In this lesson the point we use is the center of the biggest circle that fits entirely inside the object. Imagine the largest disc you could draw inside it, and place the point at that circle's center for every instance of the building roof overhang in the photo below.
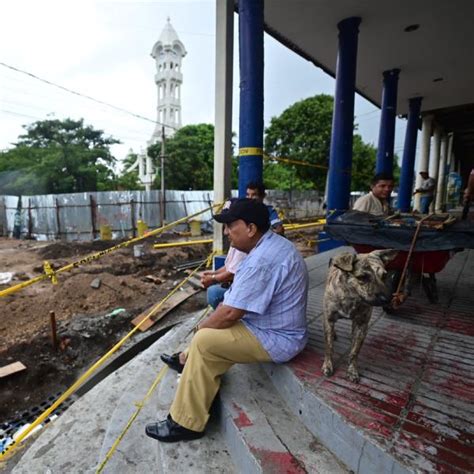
(430, 41)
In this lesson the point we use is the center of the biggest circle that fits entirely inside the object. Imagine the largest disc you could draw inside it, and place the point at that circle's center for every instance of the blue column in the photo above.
(409, 151)
(251, 93)
(384, 162)
(340, 155)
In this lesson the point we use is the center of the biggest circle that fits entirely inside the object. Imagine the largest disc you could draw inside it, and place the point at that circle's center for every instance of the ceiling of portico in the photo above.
(436, 60)
(442, 46)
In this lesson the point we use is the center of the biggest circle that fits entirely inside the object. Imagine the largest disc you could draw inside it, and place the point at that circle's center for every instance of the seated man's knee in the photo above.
(202, 340)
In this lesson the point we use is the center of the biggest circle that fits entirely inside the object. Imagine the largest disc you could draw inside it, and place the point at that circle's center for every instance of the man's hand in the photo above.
(208, 278)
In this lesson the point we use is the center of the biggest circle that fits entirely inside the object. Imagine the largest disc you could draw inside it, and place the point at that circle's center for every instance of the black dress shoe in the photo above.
(168, 431)
(172, 361)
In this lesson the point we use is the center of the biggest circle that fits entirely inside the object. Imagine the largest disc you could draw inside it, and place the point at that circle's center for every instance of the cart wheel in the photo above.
(429, 285)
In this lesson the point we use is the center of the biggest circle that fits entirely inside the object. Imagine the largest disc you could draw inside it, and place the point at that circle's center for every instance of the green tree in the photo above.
(58, 156)
(303, 133)
(189, 161)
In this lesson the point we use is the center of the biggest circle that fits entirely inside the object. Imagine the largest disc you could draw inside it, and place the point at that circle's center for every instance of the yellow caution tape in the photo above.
(182, 244)
(140, 405)
(250, 151)
(95, 256)
(305, 225)
(8, 450)
(292, 162)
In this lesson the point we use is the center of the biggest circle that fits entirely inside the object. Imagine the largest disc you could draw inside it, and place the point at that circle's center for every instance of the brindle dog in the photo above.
(355, 284)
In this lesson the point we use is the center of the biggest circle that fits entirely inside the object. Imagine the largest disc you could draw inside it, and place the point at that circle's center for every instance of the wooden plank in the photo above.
(11, 369)
(169, 305)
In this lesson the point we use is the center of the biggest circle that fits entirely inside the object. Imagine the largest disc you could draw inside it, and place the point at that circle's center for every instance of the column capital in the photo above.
(415, 102)
(349, 25)
(391, 73)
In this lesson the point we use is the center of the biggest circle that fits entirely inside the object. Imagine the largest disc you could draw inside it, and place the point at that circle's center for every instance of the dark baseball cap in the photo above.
(249, 210)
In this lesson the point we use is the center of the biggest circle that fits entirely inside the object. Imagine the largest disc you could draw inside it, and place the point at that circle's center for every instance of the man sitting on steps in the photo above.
(262, 319)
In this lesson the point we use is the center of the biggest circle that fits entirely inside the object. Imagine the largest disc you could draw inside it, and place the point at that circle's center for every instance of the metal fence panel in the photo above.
(79, 216)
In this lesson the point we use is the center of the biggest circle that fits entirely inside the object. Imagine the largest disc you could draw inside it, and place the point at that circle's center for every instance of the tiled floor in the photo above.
(416, 394)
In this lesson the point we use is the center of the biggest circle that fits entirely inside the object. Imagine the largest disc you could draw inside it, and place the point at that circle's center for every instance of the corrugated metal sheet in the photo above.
(79, 216)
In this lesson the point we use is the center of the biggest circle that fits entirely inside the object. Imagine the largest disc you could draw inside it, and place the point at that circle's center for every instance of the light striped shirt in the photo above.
(271, 286)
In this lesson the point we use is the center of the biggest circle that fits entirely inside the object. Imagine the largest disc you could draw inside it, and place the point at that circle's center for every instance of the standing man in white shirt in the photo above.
(426, 191)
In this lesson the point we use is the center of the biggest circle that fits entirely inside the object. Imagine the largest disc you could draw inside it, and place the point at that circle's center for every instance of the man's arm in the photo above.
(223, 317)
(426, 186)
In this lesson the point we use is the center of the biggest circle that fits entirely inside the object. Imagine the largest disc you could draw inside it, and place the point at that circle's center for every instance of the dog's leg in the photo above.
(329, 332)
(359, 331)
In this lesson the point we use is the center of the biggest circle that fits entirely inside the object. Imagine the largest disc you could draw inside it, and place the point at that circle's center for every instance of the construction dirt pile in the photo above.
(90, 319)
(93, 306)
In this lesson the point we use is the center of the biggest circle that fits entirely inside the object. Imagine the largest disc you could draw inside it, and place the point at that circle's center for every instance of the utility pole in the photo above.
(162, 192)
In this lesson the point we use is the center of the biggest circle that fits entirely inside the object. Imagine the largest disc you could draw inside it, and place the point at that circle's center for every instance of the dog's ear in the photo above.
(385, 255)
(344, 261)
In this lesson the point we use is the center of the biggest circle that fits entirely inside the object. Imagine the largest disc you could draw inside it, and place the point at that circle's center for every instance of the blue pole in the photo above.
(340, 155)
(408, 162)
(384, 162)
(251, 93)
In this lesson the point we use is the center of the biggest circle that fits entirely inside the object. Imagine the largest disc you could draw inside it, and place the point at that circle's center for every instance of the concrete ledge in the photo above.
(262, 435)
(360, 453)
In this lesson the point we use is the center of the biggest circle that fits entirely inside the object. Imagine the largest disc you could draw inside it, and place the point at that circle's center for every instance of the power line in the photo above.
(121, 136)
(19, 115)
(143, 134)
(367, 113)
(70, 91)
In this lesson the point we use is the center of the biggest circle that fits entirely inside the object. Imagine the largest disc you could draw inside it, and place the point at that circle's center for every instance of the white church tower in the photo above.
(168, 53)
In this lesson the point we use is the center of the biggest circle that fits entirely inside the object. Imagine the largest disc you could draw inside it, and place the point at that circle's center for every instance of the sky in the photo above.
(102, 49)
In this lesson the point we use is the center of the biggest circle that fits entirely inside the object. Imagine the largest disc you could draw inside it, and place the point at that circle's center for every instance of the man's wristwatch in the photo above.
(213, 276)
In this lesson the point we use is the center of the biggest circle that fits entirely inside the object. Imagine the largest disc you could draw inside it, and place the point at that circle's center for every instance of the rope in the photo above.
(52, 274)
(99, 363)
(140, 405)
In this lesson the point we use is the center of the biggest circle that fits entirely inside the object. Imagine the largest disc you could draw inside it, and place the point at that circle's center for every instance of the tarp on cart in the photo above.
(356, 227)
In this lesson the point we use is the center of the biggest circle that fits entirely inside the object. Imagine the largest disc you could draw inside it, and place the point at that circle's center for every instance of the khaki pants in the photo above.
(211, 354)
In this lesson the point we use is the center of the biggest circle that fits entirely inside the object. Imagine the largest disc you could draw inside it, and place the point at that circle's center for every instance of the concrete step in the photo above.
(253, 430)
(262, 434)
(202, 456)
(79, 439)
